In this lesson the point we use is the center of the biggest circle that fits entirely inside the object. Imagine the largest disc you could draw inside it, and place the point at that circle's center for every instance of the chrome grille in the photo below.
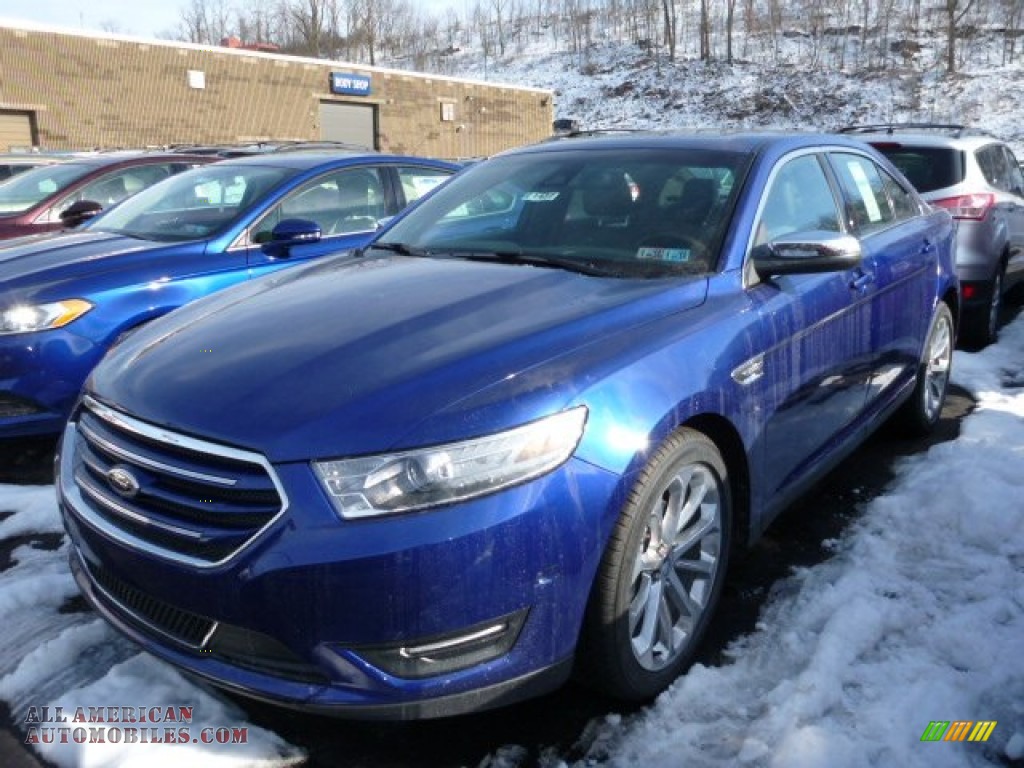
(181, 498)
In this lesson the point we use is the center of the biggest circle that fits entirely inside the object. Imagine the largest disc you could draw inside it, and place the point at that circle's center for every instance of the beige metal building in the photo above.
(61, 89)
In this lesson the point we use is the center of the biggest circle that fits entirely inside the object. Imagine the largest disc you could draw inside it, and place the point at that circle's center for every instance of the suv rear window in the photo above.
(927, 168)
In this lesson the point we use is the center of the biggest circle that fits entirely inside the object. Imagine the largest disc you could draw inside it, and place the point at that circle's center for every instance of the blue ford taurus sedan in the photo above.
(521, 435)
(66, 298)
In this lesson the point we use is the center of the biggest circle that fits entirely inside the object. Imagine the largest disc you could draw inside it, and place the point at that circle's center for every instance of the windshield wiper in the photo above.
(535, 260)
(402, 248)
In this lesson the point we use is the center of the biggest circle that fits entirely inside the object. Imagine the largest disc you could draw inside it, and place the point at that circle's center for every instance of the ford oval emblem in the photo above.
(123, 482)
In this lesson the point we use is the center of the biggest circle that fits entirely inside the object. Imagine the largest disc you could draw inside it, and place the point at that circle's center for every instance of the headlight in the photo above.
(23, 318)
(427, 477)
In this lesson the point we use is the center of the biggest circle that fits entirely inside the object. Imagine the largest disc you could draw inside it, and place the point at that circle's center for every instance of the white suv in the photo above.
(976, 177)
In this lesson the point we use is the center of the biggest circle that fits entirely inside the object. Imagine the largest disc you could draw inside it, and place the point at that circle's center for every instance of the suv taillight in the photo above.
(967, 206)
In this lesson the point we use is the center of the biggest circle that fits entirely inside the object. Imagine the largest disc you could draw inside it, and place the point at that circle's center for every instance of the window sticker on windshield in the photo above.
(675, 255)
(540, 197)
(864, 188)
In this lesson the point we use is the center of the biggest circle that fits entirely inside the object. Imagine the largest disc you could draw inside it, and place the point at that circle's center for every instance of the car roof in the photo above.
(268, 146)
(751, 142)
(31, 158)
(308, 159)
(133, 157)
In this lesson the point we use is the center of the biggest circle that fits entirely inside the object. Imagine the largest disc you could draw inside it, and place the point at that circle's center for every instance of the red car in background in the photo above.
(64, 194)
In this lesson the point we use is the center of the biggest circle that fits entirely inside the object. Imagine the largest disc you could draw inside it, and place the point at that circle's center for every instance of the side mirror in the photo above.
(79, 212)
(807, 252)
(289, 233)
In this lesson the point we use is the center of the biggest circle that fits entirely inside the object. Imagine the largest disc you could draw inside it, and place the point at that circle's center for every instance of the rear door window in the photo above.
(417, 181)
(867, 205)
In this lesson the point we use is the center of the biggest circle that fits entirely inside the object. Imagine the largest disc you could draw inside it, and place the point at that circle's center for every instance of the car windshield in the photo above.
(28, 189)
(194, 204)
(614, 212)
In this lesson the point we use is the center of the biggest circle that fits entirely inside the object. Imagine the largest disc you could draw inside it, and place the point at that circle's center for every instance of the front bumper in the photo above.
(41, 375)
(308, 614)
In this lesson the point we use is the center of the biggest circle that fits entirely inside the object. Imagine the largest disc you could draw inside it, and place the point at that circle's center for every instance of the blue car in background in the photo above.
(521, 435)
(65, 299)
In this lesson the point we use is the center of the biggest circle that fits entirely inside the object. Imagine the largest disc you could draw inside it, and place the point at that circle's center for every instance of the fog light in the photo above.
(439, 655)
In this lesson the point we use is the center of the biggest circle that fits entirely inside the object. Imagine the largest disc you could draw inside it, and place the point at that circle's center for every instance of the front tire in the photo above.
(662, 572)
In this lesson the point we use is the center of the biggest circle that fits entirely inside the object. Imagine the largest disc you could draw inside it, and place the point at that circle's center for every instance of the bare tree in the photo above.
(730, 19)
(205, 21)
(309, 22)
(668, 10)
(500, 7)
(258, 22)
(955, 12)
(705, 31)
(1012, 11)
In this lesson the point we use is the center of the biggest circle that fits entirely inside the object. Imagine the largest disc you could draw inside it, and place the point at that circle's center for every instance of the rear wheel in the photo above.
(662, 572)
(981, 324)
(921, 412)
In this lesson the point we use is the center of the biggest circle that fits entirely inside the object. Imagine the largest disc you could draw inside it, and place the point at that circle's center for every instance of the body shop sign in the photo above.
(350, 84)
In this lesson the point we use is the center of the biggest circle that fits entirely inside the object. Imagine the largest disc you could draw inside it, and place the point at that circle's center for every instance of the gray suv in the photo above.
(976, 177)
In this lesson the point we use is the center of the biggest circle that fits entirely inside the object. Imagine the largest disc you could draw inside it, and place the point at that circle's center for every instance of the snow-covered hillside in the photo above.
(619, 85)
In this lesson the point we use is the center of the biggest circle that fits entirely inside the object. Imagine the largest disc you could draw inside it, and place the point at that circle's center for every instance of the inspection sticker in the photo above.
(664, 254)
(540, 197)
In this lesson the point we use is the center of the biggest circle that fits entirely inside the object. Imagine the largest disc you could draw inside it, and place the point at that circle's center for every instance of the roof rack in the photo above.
(955, 130)
(585, 132)
(268, 146)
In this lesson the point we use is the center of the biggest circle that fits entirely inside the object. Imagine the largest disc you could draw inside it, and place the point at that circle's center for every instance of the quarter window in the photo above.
(992, 165)
(1014, 172)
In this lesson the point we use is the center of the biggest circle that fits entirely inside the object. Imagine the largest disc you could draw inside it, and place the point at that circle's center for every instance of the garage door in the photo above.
(15, 130)
(353, 123)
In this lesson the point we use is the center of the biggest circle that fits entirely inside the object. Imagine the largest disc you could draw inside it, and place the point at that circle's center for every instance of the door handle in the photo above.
(862, 281)
(927, 247)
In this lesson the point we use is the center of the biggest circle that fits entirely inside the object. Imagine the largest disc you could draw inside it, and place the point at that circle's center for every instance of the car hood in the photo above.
(30, 265)
(350, 356)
